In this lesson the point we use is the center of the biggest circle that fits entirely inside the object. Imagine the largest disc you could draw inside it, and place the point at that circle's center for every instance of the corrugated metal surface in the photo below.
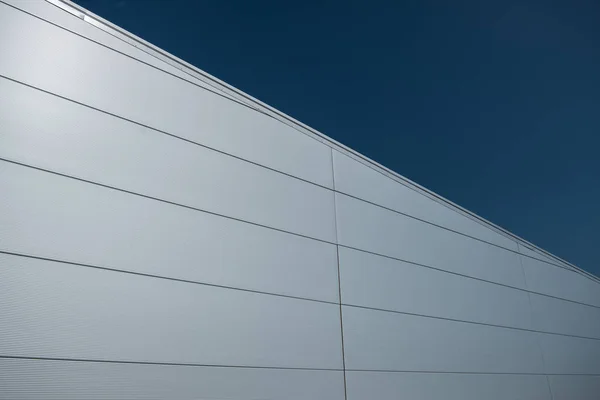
(163, 235)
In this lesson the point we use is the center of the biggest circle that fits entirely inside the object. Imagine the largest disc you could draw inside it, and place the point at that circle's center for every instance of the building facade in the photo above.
(164, 235)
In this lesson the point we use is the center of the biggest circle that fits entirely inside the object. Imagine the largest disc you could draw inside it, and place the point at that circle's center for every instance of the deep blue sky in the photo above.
(493, 104)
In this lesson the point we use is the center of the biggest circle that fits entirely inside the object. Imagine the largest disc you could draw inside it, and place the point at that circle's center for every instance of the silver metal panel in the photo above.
(537, 254)
(42, 379)
(554, 281)
(574, 387)
(51, 216)
(57, 310)
(419, 386)
(101, 78)
(48, 11)
(100, 30)
(530, 253)
(559, 316)
(368, 227)
(570, 355)
(60, 310)
(363, 182)
(379, 282)
(77, 141)
(379, 340)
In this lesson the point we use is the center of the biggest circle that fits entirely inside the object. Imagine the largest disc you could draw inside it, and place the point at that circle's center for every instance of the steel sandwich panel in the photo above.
(58, 310)
(379, 340)
(367, 227)
(51, 216)
(373, 281)
(45, 56)
(77, 141)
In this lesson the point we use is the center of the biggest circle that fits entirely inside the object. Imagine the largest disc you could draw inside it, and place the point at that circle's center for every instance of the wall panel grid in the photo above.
(157, 165)
(437, 213)
(55, 217)
(100, 34)
(413, 203)
(139, 93)
(125, 317)
(70, 380)
(165, 236)
(86, 157)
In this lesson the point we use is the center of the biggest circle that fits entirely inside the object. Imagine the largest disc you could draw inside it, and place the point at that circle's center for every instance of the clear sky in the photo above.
(493, 104)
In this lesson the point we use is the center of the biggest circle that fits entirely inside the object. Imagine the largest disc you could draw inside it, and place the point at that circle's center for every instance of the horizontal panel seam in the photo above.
(395, 177)
(319, 136)
(117, 189)
(283, 295)
(166, 363)
(134, 47)
(468, 322)
(161, 131)
(322, 140)
(280, 230)
(462, 372)
(129, 272)
(82, 360)
(134, 58)
(467, 276)
(225, 94)
(177, 77)
(363, 160)
(272, 170)
(449, 229)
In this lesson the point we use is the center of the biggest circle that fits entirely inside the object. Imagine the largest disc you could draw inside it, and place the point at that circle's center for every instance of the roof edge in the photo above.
(253, 102)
